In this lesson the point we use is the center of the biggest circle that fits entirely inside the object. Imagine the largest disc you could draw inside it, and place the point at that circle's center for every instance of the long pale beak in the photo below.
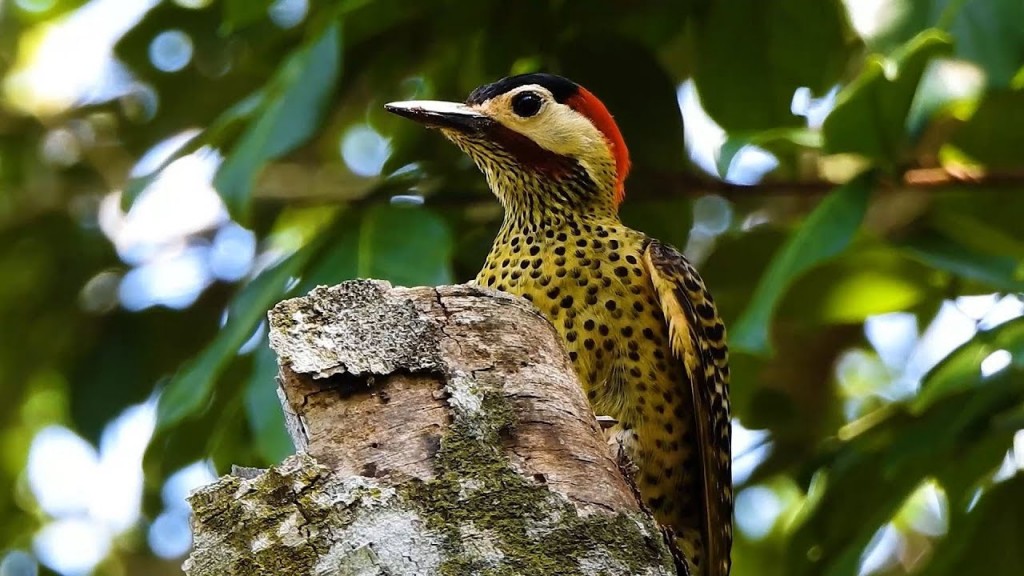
(438, 114)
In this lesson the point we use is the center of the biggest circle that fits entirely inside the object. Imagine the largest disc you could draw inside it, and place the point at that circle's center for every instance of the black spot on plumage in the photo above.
(716, 332)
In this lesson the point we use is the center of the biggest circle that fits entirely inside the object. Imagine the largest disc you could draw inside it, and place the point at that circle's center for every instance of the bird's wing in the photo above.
(698, 339)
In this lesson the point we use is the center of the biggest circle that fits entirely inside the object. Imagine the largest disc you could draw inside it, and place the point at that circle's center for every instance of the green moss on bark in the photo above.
(535, 531)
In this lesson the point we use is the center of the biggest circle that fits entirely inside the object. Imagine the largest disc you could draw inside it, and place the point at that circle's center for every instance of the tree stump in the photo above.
(440, 431)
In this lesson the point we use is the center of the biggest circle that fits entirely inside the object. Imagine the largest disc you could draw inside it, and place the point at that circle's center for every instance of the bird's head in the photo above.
(542, 141)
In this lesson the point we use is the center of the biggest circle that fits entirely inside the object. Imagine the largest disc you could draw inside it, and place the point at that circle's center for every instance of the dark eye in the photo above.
(526, 104)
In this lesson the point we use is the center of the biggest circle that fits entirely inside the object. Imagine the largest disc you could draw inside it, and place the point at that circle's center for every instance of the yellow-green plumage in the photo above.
(592, 280)
(639, 326)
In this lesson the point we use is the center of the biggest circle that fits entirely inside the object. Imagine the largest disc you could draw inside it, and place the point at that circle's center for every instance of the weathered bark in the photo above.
(441, 431)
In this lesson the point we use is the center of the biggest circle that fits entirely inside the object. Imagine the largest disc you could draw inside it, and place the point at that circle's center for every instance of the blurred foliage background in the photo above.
(849, 177)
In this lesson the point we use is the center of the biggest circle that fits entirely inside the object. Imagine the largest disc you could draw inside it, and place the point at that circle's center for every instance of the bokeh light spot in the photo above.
(712, 214)
(232, 253)
(996, 362)
(35, 6)
(757, 510)
(18, 563)
(364, 150)
(72, 546)
(60, 147)
(171, 50)
(169, 535)
(288, 13)
(99, 295)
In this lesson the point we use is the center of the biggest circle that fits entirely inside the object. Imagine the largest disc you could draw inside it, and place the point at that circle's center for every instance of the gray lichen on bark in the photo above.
(444, 432)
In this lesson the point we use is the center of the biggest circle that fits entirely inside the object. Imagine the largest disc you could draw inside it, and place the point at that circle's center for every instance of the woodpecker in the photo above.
(636, 319)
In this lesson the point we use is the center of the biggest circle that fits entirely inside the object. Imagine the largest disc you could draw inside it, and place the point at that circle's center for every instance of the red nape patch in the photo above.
(587, 104)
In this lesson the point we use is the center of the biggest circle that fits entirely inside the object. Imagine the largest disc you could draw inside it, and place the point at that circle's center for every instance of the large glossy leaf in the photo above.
(775, 141)
(961, 370)
(826, 232)
(239, 13)
(986, 33)
(991, 136)
(989, 33)
(294, 106)
(407, 246)
(870, 116)
(999, 270)
(867, 478)
(263, 409)
(190, 389)
(751, 55)
(988, 541)
(871, 279)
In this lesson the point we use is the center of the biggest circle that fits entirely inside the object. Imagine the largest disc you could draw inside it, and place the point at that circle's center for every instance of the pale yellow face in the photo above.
(556, 127)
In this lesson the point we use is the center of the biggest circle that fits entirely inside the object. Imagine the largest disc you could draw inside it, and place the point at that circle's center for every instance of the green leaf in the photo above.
(751, 55)
(938, 250)
(992, 135)
(961, 370)
(240, 13)
(871, 114)
(407, 246)
(263, 409)
(223, 129)
(771, 140)
(296, 101)
(825, 233)
(990, 34)
(870, 475)
(873, 279)
(988, 542)
(190, 389)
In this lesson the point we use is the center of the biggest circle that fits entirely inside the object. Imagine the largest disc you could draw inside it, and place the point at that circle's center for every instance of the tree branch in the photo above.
(441, 431)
